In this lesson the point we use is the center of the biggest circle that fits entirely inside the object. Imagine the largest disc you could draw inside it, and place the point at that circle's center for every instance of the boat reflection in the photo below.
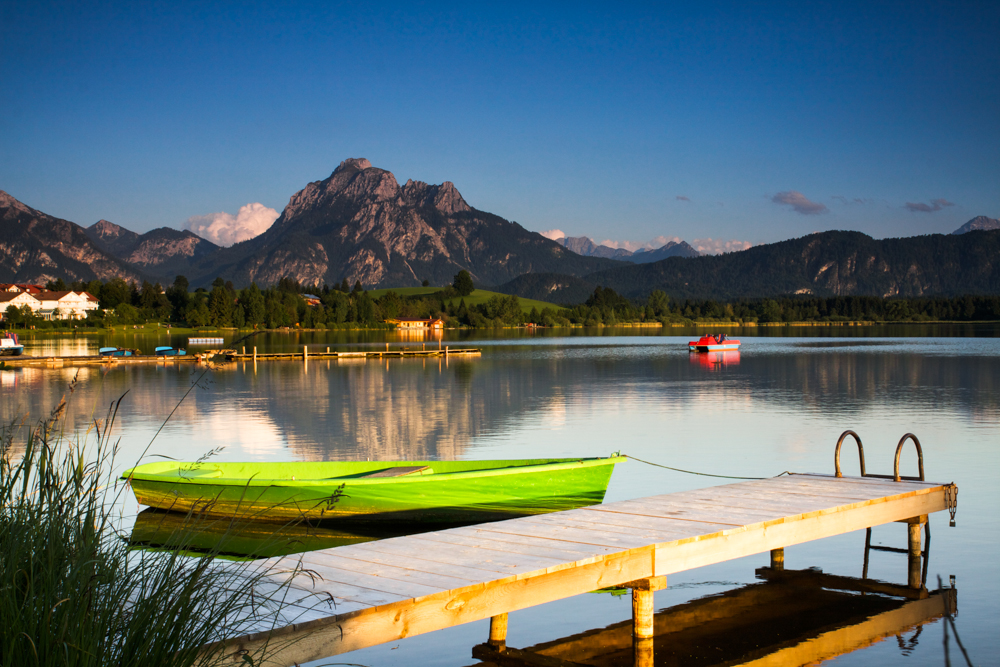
(713, 361)
(793, 618)
(244, 539)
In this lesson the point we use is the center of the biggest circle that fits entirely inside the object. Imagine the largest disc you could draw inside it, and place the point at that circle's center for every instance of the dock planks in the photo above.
(390, 589)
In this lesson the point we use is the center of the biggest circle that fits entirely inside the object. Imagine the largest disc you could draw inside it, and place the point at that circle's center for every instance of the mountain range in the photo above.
(164, 251)
(36, 248)
(360, 224)
(582, 245)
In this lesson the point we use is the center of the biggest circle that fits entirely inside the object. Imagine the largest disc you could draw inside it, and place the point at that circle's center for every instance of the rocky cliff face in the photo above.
(360, 224)
(36, 248)
(163, 252)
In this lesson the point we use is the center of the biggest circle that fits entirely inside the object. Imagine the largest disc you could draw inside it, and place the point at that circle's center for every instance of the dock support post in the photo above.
(255, 354)
(642, 617)
(778, 559)
(305, 353)
(913, 554)
(498, 632)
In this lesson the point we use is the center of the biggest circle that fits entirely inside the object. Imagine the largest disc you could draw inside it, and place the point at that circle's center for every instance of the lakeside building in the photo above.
(416, 323)
(17, 299)
(65, 305)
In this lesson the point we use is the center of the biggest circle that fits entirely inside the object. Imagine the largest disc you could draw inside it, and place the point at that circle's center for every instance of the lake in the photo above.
(778, 405)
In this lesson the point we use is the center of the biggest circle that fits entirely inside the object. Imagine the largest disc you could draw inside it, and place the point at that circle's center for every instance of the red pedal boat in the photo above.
(716, 343)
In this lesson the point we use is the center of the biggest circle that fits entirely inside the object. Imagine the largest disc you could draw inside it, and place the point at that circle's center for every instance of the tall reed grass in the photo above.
(72, 592)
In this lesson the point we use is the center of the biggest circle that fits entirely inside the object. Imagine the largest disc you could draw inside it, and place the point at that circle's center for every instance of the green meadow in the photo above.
(477, 297)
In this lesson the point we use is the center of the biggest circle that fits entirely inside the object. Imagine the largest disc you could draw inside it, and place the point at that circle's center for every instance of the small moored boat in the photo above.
(117, 352)
(9, 345)
(167, 351)
(716, 343)
(433, 491)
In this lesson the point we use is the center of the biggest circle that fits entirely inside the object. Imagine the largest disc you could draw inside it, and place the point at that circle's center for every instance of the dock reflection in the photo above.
(792, 618)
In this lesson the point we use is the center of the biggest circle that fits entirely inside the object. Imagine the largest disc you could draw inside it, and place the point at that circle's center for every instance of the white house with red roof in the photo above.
(65, 305)
(17, 299)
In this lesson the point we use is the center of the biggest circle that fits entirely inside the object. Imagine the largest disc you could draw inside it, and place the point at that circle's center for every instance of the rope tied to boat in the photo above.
(701, 474)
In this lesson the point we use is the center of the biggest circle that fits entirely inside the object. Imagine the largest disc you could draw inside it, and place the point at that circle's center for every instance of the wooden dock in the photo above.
(375, 353)
(232, 355)
(95, 360)
(366, 594)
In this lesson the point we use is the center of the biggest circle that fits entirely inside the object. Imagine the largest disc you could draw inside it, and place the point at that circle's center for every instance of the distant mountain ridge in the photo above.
(359, 224)
(36, 247)
(585, 246)
(979, 223)
(826, 264)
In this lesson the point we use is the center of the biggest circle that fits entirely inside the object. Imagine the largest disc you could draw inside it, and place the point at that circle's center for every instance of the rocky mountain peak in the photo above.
(980, 222)
(353, 164)
(108, 230)
(6, 201)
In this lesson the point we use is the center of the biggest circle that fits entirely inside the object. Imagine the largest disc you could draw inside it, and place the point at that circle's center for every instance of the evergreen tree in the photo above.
(252, 302)
(463, 283)
(220, 306)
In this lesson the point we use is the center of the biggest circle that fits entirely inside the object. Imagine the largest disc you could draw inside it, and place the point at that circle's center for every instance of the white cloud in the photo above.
(554, 234)
(225, 229)
(719, 246)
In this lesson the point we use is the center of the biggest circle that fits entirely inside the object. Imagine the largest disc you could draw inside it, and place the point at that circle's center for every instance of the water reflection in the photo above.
(437, 408)
(244, 539)
(713, 361)
(775, 623)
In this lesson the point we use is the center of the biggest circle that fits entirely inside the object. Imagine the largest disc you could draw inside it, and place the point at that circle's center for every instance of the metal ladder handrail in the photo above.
(920, 458)
(861, 452)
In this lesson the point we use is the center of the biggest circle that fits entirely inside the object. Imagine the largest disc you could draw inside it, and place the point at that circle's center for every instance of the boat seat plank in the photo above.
(396, 471)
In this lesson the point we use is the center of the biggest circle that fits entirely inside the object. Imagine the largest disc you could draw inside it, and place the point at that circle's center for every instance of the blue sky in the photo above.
(772, 120)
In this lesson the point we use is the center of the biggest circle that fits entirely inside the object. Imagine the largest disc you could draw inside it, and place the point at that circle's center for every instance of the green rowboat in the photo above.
(434, 491)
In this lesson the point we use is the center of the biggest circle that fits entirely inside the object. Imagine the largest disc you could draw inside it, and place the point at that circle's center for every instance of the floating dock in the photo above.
(363, 595)
(95, 360)
(374, 353)
(253, 355)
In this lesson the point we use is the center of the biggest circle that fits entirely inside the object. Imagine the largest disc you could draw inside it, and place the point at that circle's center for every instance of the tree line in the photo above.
(290, 304)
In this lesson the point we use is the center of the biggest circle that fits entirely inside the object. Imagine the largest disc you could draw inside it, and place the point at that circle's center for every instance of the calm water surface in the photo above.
(779, 405)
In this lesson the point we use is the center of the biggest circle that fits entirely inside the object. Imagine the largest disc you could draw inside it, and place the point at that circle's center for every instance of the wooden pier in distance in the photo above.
(363, 595)
(232, 355)
(374, 353)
